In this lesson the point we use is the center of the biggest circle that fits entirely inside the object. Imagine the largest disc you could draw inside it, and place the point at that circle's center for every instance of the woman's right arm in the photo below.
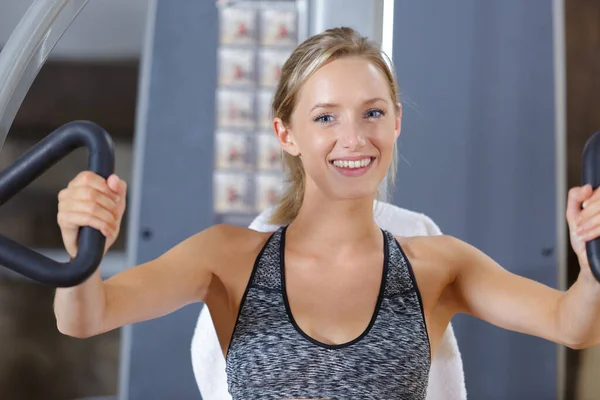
(179, 277)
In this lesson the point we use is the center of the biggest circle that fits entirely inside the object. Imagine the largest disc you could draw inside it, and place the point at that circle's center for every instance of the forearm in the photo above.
(578, 313)
(80, 310)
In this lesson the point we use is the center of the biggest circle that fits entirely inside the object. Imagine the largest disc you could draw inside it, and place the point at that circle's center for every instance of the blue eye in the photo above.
(323, 119)
(375, 113)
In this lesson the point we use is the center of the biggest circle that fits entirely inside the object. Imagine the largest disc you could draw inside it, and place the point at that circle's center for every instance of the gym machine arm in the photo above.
(21, 58)
(591, 176)
(29, 167)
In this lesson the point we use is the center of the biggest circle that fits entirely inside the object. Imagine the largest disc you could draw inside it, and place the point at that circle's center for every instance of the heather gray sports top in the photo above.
(270, 357)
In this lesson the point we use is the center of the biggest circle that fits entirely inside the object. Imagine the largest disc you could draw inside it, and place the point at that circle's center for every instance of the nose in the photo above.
(351, 137)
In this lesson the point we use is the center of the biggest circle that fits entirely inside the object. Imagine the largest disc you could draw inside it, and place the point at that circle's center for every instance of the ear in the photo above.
(286, 137)
(398, 126)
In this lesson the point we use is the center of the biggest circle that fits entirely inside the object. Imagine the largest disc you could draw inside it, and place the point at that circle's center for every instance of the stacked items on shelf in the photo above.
(256, 39)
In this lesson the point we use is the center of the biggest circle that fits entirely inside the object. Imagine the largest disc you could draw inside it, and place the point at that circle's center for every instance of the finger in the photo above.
(576, 197)
(589, 223)
(122, 198)
(591, 233)
(593, 198)
(89, 207)
(592, 208)
(114, 182)
(81, 219)
(89, 195)
(92, 180)
(122, 188)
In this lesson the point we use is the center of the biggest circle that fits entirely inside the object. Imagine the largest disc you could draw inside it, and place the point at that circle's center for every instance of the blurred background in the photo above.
(500, 98)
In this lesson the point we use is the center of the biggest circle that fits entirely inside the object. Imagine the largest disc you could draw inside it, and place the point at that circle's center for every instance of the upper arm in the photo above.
(489, 292)
(179, 277)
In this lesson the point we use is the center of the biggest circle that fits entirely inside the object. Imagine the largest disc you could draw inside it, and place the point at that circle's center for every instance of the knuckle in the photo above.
(61, 219)
(83, 177)
(89, 194)
(89, 219)
(93, 208)
(87, 176)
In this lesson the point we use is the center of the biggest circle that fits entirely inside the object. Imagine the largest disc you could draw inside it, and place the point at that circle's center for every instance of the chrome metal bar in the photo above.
(26, 51)
(562, 240)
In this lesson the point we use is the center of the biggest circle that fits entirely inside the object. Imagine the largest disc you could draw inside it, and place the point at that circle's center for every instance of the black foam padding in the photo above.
(29, 167)
(591, 176)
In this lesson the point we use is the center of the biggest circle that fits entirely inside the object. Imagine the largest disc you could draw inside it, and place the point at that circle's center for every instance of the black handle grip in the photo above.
(591, 176)
(29, 167)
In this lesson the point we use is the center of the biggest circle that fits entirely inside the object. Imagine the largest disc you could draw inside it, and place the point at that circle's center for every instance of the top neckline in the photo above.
(290, 315)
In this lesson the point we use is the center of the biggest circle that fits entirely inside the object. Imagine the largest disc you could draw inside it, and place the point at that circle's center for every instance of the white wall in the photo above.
(105, 29)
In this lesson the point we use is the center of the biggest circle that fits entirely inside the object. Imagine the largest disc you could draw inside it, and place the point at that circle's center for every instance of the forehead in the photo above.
(344, 81)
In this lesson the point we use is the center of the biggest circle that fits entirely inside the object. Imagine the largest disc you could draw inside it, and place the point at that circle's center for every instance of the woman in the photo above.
(329, 305)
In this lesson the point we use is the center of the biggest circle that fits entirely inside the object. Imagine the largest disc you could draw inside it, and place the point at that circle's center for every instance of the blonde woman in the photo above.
(330, 305)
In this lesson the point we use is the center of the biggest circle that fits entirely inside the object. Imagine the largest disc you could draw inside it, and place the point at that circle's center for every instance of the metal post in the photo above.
(26, 51)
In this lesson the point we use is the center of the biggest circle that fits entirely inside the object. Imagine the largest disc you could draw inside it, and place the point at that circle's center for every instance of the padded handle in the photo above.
(29, 167)
(591, 176)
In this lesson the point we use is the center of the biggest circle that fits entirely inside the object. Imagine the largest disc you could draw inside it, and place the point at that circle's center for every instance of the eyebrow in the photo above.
(333, 105)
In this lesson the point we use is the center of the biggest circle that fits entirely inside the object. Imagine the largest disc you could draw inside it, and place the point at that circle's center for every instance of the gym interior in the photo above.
(499, 98)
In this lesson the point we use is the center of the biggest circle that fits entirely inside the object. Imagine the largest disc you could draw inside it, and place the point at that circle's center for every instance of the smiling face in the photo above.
(343, 127)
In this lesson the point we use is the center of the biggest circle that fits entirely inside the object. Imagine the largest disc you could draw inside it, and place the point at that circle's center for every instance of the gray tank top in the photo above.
(270, 357)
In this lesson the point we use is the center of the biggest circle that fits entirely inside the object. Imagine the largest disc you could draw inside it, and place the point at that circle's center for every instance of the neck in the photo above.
(335, 223)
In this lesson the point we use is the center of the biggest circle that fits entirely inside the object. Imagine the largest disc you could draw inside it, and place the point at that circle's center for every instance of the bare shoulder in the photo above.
(454, 254)
(227, 235)
(232, 253)
(437, 261)
(221, 244)
(441, 252)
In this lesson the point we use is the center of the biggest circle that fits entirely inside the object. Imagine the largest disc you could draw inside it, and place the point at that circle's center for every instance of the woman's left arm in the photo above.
(493, 294)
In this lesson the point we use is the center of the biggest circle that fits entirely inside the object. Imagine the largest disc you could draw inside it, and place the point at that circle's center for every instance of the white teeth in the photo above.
(352, 164)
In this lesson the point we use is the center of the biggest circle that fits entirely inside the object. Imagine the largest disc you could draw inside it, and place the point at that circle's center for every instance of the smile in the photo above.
(354, 164)
(353, 168)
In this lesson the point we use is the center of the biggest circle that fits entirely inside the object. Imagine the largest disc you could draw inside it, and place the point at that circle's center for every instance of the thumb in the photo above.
(122, 192)
(113, 183)
(117, 185)
(577, 196)
(122, 188)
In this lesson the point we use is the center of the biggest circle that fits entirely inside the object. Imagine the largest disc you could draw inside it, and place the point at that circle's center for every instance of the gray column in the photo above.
(172, 184)
(478, 151)
(365, 17)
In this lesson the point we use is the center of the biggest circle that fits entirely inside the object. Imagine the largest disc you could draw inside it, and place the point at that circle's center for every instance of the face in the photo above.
(343, 127)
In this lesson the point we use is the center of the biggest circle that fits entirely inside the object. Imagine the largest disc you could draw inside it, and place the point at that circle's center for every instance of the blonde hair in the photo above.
(306, 59)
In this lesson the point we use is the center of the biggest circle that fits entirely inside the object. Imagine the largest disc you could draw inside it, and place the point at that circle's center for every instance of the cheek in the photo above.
(384, 138)
(315, 144)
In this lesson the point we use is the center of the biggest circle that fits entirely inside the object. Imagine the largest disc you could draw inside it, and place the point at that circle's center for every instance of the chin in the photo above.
(345, 193)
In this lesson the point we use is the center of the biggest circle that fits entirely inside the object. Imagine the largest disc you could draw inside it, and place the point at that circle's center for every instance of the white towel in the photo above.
(446, 377)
